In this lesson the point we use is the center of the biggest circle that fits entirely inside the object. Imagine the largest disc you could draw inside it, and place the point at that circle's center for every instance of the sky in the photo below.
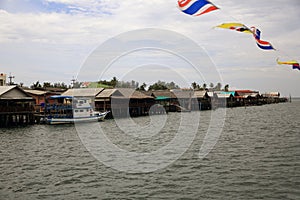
(55, 40)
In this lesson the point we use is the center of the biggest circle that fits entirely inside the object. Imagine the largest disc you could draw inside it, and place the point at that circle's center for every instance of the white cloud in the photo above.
(59, 38)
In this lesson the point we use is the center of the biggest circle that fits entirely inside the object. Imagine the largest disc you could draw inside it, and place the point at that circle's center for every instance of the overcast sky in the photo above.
(51, 40)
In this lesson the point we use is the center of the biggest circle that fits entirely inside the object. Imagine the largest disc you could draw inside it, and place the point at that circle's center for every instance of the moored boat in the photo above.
(72, 110)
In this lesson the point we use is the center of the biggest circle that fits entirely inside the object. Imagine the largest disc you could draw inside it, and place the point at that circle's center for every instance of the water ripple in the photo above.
(256, 157)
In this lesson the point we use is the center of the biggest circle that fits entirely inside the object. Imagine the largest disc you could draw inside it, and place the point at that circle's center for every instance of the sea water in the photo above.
(256, 156)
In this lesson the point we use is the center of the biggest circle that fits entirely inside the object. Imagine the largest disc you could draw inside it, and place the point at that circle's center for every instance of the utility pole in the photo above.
(73, 82)
(11, 79)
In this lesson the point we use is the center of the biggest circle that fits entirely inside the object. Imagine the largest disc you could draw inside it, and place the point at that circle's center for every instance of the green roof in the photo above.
(162, 98)
(98, 85)
(223, 92)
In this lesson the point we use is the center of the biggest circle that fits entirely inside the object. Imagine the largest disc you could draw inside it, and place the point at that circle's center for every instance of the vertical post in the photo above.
(11, 79)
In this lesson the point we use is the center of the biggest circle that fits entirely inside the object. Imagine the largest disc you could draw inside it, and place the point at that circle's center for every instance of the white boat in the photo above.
(79, 111)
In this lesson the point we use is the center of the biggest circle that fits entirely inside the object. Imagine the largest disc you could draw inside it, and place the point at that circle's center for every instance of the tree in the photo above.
(158, 86)
(226, 88)
(204, 86)
(76, 84)
(172, 85)
(114, 81)
(161, 85)
(36, 85)
(218, 86)
(211, 85)
(133, 84)
(194, 85)
(46, 84)
(142, 87)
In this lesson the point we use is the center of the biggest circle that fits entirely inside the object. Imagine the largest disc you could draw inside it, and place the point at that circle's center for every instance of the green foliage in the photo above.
(226, 88)
(218, 87)
(142, 87)
(37, 85)
(113, 82)
(161, 85)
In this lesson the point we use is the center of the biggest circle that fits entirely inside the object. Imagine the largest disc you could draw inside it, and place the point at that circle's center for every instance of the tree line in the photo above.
(115, 83)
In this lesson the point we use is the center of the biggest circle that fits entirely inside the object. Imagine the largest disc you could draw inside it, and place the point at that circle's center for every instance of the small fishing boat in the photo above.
(73, 110)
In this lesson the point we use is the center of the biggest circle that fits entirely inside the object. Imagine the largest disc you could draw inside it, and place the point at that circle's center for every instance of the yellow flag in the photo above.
(235, 26)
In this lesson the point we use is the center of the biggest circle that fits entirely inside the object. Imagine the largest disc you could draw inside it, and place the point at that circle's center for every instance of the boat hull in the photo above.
(99, 117)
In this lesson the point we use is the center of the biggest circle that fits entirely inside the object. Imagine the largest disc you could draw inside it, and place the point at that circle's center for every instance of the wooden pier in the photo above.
(16, 119)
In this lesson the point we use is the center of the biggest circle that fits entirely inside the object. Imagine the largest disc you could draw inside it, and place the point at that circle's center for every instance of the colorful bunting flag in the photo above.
(196, 7)
(294, 63)
(235, 26)
(260, 43)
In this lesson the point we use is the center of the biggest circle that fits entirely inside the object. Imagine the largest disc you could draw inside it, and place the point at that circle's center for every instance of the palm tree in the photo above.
(194, 85)
(114, 81)
(142, 87)
(218, 86)
(226, 88)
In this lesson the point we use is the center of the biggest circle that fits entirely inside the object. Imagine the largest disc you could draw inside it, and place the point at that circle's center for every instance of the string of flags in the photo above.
(199, 7)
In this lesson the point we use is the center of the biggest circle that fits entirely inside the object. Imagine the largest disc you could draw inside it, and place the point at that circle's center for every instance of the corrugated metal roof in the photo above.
(271, 94)
(36, 92)
(183, 94)
(165, 93)
(107, 93)
(83, 92)
(4, 89)
(9, 93)
(253, 95)
(245, 92)
(200, 93)
(133, 94)
(224, 95)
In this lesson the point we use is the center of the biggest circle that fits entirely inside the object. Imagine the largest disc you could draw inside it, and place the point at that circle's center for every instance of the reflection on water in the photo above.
(256, 157)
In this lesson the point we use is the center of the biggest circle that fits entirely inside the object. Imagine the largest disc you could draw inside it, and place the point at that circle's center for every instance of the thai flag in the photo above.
(196, 7)
(260, 43)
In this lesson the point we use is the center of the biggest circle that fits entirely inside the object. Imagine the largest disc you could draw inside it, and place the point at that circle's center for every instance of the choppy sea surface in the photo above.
(257, 156)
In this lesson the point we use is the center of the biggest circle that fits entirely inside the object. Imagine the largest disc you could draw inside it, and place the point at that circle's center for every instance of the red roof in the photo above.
(244, 91)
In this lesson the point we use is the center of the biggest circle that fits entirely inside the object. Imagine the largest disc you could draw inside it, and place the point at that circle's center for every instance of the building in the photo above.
(122, 102)
(41, 98)
(203, 100)
(247, 97)
(271, 97)
(16, 106)
(132, 103)
(103, 99)
(166, 98)
(2, 79)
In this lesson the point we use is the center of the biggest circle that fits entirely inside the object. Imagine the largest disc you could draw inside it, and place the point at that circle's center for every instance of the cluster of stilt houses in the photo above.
(24, 106)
